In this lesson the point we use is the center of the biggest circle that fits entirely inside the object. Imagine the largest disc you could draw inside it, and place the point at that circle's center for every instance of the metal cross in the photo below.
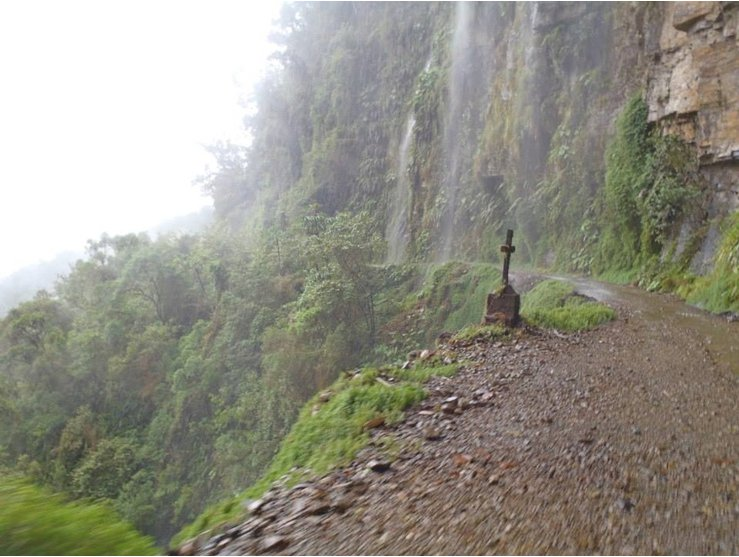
(508, 248)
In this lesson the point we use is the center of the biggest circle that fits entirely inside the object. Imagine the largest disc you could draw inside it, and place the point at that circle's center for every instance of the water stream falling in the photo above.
(452, 141)
(397, 232)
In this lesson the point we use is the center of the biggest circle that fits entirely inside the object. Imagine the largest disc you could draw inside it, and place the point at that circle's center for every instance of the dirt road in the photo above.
(623, 440)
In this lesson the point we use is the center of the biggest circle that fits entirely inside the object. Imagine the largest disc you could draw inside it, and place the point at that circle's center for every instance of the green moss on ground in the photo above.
(481, 333)
(555, 304)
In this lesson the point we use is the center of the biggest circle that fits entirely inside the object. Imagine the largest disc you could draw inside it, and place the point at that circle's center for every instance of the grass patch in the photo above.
(35, 521)
(554, 304)
(330, 434)
(333, 435)
(480, 333)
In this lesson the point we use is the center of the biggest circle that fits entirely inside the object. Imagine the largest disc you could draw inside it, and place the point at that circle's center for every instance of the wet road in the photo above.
(658, 311)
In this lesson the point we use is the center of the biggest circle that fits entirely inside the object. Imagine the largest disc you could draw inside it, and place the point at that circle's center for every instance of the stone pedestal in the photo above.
(503, 307)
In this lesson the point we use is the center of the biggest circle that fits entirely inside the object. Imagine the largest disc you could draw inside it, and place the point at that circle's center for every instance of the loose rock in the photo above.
(432, 433)
(378, 465)
(274, 543)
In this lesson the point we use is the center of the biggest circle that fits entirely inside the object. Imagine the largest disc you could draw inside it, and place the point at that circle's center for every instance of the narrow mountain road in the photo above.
(623, 440)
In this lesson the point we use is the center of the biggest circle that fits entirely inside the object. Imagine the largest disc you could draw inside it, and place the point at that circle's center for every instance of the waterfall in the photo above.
(397, 233)
(453, 140)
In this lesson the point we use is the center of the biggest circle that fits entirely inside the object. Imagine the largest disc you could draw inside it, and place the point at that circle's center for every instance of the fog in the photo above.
(105, 107)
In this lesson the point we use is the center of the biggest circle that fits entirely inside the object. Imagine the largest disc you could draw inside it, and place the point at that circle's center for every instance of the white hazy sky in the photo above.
(105, 106)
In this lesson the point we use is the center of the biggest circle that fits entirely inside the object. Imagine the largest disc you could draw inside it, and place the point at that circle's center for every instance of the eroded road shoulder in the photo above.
(621, 440)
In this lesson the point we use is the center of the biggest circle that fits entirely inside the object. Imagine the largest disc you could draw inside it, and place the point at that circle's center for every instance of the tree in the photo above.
(343, 278)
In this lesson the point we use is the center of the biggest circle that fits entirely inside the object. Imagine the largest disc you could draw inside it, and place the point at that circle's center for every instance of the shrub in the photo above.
(651, 179)
(719, 290)
(33, 521)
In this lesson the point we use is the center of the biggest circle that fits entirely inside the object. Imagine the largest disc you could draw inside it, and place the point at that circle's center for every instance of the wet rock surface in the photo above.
(698, 64)
(623, 440)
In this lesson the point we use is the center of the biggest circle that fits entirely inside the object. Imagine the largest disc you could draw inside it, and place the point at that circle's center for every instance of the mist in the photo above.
(106, 109)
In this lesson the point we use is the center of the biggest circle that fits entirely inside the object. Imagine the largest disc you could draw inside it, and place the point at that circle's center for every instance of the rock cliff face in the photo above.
(556, 75)
(693, 89)
(693, 92)
(457, 121)
(559, 76)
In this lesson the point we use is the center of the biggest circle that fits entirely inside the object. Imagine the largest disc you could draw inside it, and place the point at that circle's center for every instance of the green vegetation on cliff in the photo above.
(718, 290)
(650, 181)
(163, 375)
(653, 186)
